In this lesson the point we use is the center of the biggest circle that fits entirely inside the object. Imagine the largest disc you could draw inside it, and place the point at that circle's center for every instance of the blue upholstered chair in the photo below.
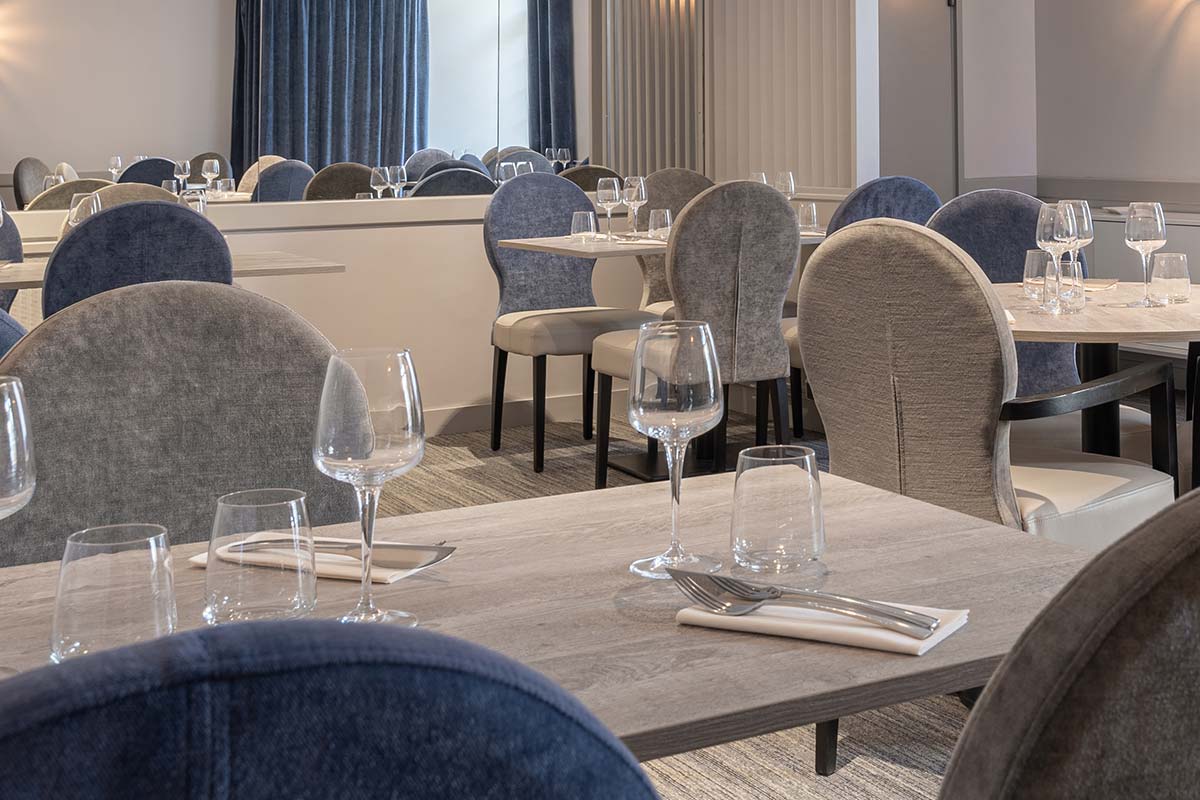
(476, 162)
(149, 170)
(12, 252)
(547, 307)
(282, 182)
(29, 177)
(454, 163)
(11, 332)
(308, 711)
(340, 181)
(134, 243)
(453, 182)
(416, 164)
(249, 179)
(896, 197)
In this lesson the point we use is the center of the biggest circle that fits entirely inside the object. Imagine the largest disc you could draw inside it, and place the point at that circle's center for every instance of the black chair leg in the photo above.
(603, 419)
(1189, 390)
(539, 413)
(827, 733)
(778, 404)
(762, 396)
(719, 438)
(651, 449)
(797, 402)
(589, 394)
(499, 366)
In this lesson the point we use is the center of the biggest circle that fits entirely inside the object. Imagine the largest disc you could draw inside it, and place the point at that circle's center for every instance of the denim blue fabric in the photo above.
(453, 182)
(247, 57)
(305, 710)
(551, 75)
(134, 243)
(466, 162)
(282, 182)
(416, 164)
(150, 170)
(29, 176)
(896, 197)
(12, 252)
(339, 182)
(344, 80)
(525, 207)
(996, 227)
(11, 332)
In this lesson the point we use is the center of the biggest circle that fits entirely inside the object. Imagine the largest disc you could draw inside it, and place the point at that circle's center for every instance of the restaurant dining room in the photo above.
(599, 399)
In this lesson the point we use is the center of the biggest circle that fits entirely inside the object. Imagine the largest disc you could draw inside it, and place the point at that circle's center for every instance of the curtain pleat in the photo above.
(243, 150)
(551, 75)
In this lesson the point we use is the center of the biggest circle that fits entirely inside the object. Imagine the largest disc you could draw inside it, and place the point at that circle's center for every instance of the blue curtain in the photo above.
(341, 80)
(551, 75)
(243, 150)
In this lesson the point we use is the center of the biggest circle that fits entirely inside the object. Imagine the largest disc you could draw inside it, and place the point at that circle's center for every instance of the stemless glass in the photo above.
(261, 559)
(115, 587)
(370, 429)
(758, 177)
(660, 224)
(608, 197)
(364, 195)
(114, 166)
(506, 171)
(564, 156)
(196, 200)
(524, 167)
(183, 171)
(583, 226)
(397, 176)
(379, 181)
(806, 213)
(210, 169)
(777, 521)
(635, 198)
(1056, 234)
(50, 181)
(82, 207)
(1170, 281)
(18, 472)
(171, 186)
(224, 188)
(1036, 262)
(675, 395)
(1145, 232)
(785, 183)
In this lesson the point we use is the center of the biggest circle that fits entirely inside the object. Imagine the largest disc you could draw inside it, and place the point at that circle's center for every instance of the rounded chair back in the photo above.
(516, 154)
(340, 181)
(306, 709)
(29, 176)
(475, 162)
(996, 227)
(456, 163)
(58, 198)
(121, 193)
(250, 179)
(152, 401)
(588, 177)
(67, 172)
(489, 157)
(416, 164)
(667, 188)
(528, 206)
(152, 171)
(12, 251)
(895, 197)
(11, 332)
(910, 358)
(283, 182)
(454, 182)
(197, 163)
(138, 242)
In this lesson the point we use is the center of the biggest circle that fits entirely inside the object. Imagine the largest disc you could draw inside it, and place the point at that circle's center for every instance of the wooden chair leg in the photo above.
(762, 396)
(603, 420)
(589, 394)
(499, 367)
(827, 733)
(797, 402)
(539, 413)
(778, 404)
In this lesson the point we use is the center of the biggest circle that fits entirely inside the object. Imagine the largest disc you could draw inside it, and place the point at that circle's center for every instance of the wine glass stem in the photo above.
(635, 212)
(676, 452)
(368, 507)
(1145, 276)
(609, 212)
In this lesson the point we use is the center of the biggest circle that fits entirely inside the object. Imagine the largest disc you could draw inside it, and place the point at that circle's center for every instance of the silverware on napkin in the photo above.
(389, 555)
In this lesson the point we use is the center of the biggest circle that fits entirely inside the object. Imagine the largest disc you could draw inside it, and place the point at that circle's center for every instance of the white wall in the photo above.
(462, 75)
(581, 19)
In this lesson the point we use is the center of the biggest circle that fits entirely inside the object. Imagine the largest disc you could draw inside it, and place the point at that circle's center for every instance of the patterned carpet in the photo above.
(897, 752)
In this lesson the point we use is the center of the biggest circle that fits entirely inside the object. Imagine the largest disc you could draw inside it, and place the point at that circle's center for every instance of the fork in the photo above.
(752, 591)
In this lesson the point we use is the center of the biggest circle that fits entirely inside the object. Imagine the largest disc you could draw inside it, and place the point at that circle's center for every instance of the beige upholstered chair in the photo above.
(58, 198)
(67, 172)
(121, 193)
(913, 367)
(250, 178)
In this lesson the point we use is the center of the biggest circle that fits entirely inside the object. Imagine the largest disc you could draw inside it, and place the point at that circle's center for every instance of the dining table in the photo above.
(546, 581)
(600, 246)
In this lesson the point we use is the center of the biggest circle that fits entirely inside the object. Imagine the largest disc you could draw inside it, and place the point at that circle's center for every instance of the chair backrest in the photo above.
(910, 358)
(894, 197)
(11, 252)
(340, 181)
(138, 242)
(11, 331)
(121, 193)
(416, 164)
(250, 179)
(29, 177)
(454, 182)
(996, 227)
(151, 401)
(730, 262)
(517, 154)
(1098, 697)
(667, 188)
(197, 163)
(153, 171)
(476, 162)
(251, 711)
(489, 157)
(454, 163)
(283, 182)
(525, 207)
(67, 172)
(58, 198)
(587, 177)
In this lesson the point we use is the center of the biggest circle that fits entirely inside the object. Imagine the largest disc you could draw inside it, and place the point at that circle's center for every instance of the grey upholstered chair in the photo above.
(671, 189)
(730, 262)
(416, 164)
(547, 307)
(58, 198)
(894, 197)
(475, 162)
(29, 176)
(250, 178)
(518, 154)
(11, 332)
(144, 411)
(152, 170)
(138, 242)
(339, 182)
(454, 163)
(197, 163)
(489, 157)
(1098, 697)
(453, 182)
(12, 251)
(588, 177)
(282, 182)
(121, 193)
(924, 409)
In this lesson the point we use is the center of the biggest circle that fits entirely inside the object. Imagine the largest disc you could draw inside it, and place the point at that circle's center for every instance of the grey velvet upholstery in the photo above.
(894, 197)
(150, 401)
(454, 163)
(283, 182)
(489, 156)
(250, 179)
(416, 164)
(67, 172)
(133, 243)
(11, 332)
(149, 170)
(672, 189)
(29, 177)
(339, 182)
(517, 154)
(588, 177)
(454, 182)
(11, 252)
(121, 193)
(1098, 697)
(58, 198)
(197, 163)
(476, 162)
(996, 227)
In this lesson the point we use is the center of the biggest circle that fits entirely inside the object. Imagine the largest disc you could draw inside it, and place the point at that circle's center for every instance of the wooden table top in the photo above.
(1106, 320)
(600, 247)
(546, 582)
(29, 274)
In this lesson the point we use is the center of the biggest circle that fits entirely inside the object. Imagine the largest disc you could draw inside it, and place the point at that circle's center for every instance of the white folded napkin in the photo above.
(822, 626)
(329, 565)
(1008, 316)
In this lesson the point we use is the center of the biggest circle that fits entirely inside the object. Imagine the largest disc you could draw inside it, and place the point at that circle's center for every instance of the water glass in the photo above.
(785, 184)
(225, 188)
(364, 196)
(777, 519)
(115, 587)
(114, 167)
(82, 207)
(18, 472)
(1036, 262)
(758, 177)
(171, 186)
(261, 559)
(583, 226)
(660, 224)
(524, 167)
(806, 213)
(506, 171)
(50, 181)
(196, 200)
(1170, 281)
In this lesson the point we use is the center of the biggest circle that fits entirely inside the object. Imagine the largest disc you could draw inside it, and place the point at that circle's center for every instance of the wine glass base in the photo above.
(656, 567)
(400, 618)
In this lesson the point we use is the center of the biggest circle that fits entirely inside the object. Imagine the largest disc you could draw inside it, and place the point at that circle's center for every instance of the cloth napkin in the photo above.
(329, 565)
(1008, 316)
(822, 626)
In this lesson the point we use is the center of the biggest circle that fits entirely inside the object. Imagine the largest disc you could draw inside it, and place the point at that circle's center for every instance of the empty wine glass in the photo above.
(1085, 233)
(1170, 281)
(379, 181)
(506, 171)
(552, 156)
(1145, 232)
(114, 166)
(370, 429)
(675, 395)
(210, 169)
(785, 183)
(183, 171)
(1056, 234)
(608, 197)
(18, 472)
(82, 207)
(635, 198)
(564, 156)
(397, 176)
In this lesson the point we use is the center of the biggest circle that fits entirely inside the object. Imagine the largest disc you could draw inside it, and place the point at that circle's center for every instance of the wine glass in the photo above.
(171, 186)
(524, 167)
(50, 181)
(785, 183)
(608, 197)
(675, 395)
(758, 177)
(635, 198)
(506, 171)
(1145, 232)
(1085, 234)
(82, 207)
(210, 169)
(370, 429)
(552, 156)
(379, 181)
(1056, 234)
(397, 176)
(18, 473)
(183, 171)
(114, 166)
(564, 156)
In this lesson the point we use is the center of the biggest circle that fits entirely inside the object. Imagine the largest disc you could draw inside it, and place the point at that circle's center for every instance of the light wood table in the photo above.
(600, 247)
(546, 582)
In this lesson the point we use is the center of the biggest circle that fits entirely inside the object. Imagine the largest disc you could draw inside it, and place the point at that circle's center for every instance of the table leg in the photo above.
(827, 733)
(1101, 424)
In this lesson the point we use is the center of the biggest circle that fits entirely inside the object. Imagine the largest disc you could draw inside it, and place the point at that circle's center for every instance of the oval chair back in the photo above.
(197, 163)
(11, 332)
(454, 182)
(339, 182)
(138, 242)
(455, 163)
(12, 251)
(475, 162)
(894, 197)
(121, 193)
(58, 198)
(667, 188)
(517, 154)
(416, 164)
(152, 171)
(282, 182)
(66, 171)
(250, 178)
(29, 176)
(588, 177)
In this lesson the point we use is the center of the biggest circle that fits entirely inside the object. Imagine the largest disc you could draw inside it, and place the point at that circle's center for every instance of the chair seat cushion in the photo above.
(662, 309)
(1084, 500)
(791, 335)
(562, 331)
(612, 353)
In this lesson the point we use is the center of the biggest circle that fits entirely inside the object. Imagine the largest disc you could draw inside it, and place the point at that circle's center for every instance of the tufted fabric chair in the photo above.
(11, 252)
(453, 182)
(58, 198)
(475, 162)
(283, 181)
(29, 177)
(515, 154)
(250, 179)
(455, 163)
(588, 177)
(152, 171)
(416, 164)
(339, 182)
(895, 197)
(672, 189)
